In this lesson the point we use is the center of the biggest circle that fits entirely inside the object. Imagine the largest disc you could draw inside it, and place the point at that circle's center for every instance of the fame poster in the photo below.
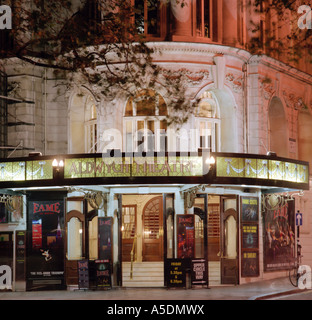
(279, 237)
(186, 236)
(45, 253)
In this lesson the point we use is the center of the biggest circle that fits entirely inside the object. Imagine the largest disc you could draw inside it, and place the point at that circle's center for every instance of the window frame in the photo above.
(212, 123)
(200, 32)
(134, 119)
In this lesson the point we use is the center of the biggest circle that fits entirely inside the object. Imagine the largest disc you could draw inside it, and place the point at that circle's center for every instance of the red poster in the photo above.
(186, 236)
(37, 234)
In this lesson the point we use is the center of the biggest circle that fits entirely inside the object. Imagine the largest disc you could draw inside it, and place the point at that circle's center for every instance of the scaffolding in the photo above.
(3, 114)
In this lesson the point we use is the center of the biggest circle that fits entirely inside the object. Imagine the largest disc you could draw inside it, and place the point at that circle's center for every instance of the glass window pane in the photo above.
(128, 222)
(199, 209)
(199, 18)
(230, 238)
(152, 16)
(93, 238)
(150, 136)
(163, 139)
(140, 136)
(139, 15)
(205, 110)
(207, 18)
(170, 225)
(129, 108)
(162, 107)
(74, 239)
(129, 137)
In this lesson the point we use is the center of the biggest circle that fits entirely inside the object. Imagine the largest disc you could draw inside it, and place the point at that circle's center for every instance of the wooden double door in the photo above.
(142, 227)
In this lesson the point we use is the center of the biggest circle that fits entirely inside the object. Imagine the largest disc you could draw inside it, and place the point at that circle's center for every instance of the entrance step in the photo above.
(145, 274)
(214, 268)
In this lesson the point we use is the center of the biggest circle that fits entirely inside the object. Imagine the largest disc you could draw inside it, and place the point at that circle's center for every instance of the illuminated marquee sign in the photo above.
(191, 168)
(26, 170)
(265, 169)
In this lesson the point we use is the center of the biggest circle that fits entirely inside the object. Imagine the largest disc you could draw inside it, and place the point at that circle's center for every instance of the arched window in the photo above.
(90, 126)
(83, 124)
(278, 130)
(145, 123)
(208, 123)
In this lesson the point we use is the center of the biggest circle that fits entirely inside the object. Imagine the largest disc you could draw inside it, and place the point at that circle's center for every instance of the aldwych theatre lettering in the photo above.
(91, 167)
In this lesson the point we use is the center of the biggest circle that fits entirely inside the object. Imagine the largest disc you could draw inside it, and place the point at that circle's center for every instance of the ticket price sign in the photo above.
(176, 273)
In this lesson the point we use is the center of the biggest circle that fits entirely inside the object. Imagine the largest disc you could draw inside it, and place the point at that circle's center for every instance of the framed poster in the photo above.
(105, 225)
(250, 263)
(186, 236)
(279, 237)
(103, 274)
(83, 274)
(249, 209)
(250, 236)
(45, 252)
(20, 255)
(199, 272)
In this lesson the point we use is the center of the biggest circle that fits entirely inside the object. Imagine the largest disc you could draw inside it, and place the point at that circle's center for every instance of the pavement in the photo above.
(262, 290)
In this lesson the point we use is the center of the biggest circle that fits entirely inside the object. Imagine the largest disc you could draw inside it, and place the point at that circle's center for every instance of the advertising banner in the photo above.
(105, 225)
(250, 263)
(103, 274)
(250, 237)
(186, 236)
(45, 254)
(279, 237)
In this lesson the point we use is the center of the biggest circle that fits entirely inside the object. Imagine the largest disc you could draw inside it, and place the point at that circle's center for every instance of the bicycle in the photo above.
(294, 274)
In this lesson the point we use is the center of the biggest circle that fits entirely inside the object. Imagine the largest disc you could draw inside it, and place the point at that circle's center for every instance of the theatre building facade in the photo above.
(119, 198)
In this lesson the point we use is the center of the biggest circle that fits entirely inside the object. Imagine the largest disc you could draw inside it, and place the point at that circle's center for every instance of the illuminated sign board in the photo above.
(26, 170)
(261, 168)
(169, 168)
